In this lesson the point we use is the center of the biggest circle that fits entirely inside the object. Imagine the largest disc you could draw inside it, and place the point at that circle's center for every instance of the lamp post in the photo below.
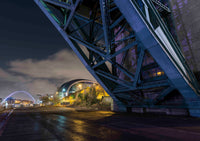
(39, 96)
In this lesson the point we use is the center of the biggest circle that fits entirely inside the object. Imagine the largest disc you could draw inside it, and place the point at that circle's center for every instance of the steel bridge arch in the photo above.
(16, 92)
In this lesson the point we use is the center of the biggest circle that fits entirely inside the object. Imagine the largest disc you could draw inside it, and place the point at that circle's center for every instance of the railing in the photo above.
(153, 20)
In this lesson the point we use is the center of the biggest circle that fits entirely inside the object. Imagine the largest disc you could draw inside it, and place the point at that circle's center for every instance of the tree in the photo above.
(56, 100)
(45, 99)
(88, 97)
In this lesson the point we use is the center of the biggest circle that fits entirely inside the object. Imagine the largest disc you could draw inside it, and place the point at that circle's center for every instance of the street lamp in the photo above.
(39, 100)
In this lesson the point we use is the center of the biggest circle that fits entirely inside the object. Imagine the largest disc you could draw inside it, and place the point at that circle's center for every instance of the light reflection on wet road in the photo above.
(76, 129)
(96, 126)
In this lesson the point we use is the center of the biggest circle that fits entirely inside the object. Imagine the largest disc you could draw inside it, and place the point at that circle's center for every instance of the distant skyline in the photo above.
(33, 57)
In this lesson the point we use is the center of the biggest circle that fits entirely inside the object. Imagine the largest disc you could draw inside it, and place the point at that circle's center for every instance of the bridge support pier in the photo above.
(117, 106)
(163, 111)
(194, 108)
(194, 112)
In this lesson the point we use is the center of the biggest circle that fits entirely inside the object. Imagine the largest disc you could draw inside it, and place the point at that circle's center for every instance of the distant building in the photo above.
(26, 103)
(12, 102)
(69, 91)
(73, 86)
(18, 101)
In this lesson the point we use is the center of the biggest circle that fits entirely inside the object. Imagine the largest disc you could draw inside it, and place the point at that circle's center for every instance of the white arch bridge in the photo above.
(16, 92)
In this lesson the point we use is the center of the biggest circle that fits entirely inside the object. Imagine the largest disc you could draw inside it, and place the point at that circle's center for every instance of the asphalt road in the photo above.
(30, 125)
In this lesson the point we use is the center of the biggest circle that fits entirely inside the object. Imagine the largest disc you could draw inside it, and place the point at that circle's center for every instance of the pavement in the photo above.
(68, 124)
(4, 118)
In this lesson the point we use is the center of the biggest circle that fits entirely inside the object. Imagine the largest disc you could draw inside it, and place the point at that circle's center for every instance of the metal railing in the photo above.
(154, 20)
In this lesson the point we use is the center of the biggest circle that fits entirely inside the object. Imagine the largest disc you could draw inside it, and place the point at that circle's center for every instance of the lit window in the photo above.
(63, 89)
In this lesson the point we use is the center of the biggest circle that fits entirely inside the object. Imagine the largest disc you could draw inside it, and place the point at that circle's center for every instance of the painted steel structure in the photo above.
(128, 49)
(186, 20)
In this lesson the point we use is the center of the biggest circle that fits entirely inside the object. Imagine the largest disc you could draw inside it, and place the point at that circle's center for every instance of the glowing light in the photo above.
(19, 92)
(6, 104)
(80, 86)
(66, 94)
(63, 89)
(159, 73)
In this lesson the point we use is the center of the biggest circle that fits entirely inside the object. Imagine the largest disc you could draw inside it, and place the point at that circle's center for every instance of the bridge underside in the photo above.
(129, 50)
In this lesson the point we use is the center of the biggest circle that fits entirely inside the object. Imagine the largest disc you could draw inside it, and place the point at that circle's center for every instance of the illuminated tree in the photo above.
(56, 100)
(45, 99)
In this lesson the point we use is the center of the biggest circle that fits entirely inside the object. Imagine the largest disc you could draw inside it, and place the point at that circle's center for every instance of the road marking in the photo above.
(4, 121)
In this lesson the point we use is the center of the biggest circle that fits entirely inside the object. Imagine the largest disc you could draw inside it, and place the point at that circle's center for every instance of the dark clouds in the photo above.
(26, 33)
(33, 55)
(41, 76)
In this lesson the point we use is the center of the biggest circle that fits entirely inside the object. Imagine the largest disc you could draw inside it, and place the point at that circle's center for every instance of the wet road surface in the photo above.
(96, 126)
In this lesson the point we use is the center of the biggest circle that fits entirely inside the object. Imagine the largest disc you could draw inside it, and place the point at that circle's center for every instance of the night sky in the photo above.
(33, 57)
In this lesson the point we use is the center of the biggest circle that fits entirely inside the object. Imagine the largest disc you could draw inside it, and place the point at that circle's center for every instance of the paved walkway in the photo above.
(70, 125)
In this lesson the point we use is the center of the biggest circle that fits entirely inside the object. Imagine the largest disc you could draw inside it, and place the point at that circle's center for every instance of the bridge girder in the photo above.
(115, 52)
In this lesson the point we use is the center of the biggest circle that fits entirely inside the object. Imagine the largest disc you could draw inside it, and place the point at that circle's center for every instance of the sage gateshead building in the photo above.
(73, 86)
(68, 92)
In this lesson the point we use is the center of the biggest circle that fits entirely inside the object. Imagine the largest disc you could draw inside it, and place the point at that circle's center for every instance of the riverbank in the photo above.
(51, 109)
(67, 108)
(1, 109)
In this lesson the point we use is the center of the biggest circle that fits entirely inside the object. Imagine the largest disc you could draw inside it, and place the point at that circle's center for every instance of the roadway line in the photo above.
(4, 121)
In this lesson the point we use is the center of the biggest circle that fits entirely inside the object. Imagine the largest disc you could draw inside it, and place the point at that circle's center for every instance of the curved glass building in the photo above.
(69, 91)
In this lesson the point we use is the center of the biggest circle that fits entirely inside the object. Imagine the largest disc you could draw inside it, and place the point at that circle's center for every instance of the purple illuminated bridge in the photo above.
(16, 92)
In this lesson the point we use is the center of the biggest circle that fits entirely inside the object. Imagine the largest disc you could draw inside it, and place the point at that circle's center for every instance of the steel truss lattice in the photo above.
(114, 48)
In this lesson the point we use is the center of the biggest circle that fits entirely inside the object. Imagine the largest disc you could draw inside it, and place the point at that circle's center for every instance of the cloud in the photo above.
(8, 76)
(4, 74)
(62, 65)
(39, 85)
(41, 76)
